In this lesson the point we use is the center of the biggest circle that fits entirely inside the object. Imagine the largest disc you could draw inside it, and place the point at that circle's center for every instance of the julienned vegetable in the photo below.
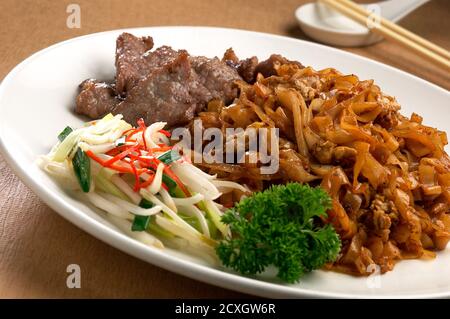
(146, 188)
(80, 162)
(62, 136)
(82, 168)
(140, 223)
(282, 227)
(159, 198)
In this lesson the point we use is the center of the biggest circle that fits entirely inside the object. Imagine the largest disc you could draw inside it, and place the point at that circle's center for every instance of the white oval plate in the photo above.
(36, 102)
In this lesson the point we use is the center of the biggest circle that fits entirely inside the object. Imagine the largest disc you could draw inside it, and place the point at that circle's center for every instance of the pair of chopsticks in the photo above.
(392, 31)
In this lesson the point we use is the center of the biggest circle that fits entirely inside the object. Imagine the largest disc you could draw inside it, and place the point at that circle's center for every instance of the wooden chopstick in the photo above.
(406, 33)
(386, 32)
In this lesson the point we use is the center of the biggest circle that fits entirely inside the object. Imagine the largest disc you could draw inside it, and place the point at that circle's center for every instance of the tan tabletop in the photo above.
(36, 244)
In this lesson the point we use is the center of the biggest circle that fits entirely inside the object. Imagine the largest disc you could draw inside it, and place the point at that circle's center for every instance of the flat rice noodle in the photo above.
(210, 119)
(349, 129)
(321, 124)
(262, 90)
(321, 170)
(292, 166)
(346, 82)
(361, 150)
(380, 152)
(426, 241)
(316, 104)
(242, 85)
(296, 172)
(334, 180)
(428, 180)
(391, 250)
(368, 166)
(328, 104)
(240, 115)
(445, 219)
(366, 111)
(258, 110)
(311, 138)
(402, 202)
(417, 148)
(340, 220)
(321, 149)
(376, 247)
(444, 181)
(443, 137)
(215, 106)
(281, 121)
(425, 220)
(339, 136)
(427, 254)
(343, 153)
(335, 111)
(389, 140)
(356, 132)
(293, 101)
(419, 144)
(354, 250)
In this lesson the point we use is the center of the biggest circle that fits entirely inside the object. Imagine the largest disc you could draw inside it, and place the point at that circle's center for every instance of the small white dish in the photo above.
(37, 99)
(326, 25)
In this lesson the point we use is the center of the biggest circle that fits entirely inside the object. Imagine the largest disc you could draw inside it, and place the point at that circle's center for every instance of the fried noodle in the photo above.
(388, 175)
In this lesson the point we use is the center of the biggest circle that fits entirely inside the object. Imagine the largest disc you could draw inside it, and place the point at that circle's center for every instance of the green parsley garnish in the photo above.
(280, 227)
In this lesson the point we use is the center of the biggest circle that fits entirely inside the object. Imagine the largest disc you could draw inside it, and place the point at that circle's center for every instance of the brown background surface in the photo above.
(36, 244)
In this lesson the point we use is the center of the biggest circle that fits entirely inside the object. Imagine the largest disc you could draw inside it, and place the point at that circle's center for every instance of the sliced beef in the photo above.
(159, 85)
(245, 68)
(217, 77)
(135, 61)
(267, 67)
(131, 64)
(161, 56)
(95, 98)
(165, 95)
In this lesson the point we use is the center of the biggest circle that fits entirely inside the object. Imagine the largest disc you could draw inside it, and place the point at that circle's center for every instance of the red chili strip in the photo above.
(137, 184)
(128, 139)
(164, 148)
(117, 150)
(141, 124)
(120, 156)
(102, 162)
(166, 133)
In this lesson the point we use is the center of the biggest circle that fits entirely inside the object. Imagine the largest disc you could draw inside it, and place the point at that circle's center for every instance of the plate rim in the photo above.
(203, 273)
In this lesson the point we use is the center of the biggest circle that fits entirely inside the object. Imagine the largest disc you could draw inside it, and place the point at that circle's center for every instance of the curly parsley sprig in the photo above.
(279, 227)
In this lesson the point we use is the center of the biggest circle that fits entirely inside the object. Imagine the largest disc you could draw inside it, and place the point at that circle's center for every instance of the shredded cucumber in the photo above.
(168, 213)
(105, 185)
(64, 149)
(214, 214)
